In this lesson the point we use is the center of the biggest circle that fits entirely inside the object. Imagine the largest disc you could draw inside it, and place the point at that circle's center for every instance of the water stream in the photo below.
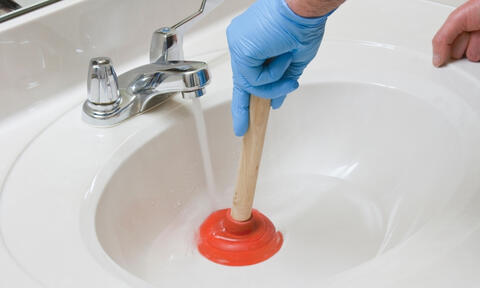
(205, 150)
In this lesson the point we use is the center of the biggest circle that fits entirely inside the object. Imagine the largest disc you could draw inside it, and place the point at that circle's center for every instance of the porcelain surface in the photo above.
(370, 169)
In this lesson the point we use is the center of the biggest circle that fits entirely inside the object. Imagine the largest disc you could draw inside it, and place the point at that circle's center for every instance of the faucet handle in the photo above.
(102, 86)
(166, 45)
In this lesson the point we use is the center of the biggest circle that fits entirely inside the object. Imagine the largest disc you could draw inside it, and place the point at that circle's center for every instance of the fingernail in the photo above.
(436, 60)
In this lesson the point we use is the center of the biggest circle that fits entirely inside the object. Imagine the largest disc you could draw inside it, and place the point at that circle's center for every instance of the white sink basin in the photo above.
(358, 183)
(351, 169)
(370, 170)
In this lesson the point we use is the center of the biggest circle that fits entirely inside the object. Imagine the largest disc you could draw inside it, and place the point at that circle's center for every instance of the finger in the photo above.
(265, 72)
(240, 111)
(273, 90)
(443, 40)
(460, 45)
(473, 49)
(277, 102)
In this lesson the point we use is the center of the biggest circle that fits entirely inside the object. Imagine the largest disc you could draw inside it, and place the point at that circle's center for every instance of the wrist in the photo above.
(313, 8)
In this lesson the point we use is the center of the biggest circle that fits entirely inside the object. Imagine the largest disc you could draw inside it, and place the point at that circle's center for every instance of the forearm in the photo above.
(313, 8)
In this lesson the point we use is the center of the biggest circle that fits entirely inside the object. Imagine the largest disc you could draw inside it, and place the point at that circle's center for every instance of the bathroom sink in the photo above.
(355, 166)
(370, 170)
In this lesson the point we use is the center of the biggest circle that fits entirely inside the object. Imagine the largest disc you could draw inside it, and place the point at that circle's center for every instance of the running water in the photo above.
(204, 149)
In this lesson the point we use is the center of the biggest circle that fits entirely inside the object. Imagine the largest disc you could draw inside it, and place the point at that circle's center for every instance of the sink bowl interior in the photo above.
(349, 172)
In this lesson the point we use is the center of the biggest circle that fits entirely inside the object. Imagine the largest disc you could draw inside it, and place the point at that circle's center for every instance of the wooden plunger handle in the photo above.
(250, 159)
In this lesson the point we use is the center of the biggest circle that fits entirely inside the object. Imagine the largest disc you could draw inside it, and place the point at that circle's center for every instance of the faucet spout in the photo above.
(161, 78)
(152, 84)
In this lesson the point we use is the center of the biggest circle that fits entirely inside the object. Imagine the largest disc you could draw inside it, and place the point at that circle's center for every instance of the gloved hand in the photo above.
(270, 46)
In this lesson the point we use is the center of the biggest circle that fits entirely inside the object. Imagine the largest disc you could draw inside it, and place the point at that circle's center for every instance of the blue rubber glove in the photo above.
(270, 46)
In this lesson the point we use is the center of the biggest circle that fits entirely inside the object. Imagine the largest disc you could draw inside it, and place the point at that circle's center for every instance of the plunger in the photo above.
(241, 235)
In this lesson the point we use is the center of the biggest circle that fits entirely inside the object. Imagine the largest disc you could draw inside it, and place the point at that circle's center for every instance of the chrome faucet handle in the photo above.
(167, 44)
(102, 87)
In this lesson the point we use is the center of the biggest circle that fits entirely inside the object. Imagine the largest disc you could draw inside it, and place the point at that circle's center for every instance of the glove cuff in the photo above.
(304, 21)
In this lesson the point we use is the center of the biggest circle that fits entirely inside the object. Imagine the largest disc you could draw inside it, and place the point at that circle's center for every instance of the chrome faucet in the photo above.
(112, 99)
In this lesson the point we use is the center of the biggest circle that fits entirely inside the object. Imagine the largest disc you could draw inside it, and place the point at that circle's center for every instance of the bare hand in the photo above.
(459, 36)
